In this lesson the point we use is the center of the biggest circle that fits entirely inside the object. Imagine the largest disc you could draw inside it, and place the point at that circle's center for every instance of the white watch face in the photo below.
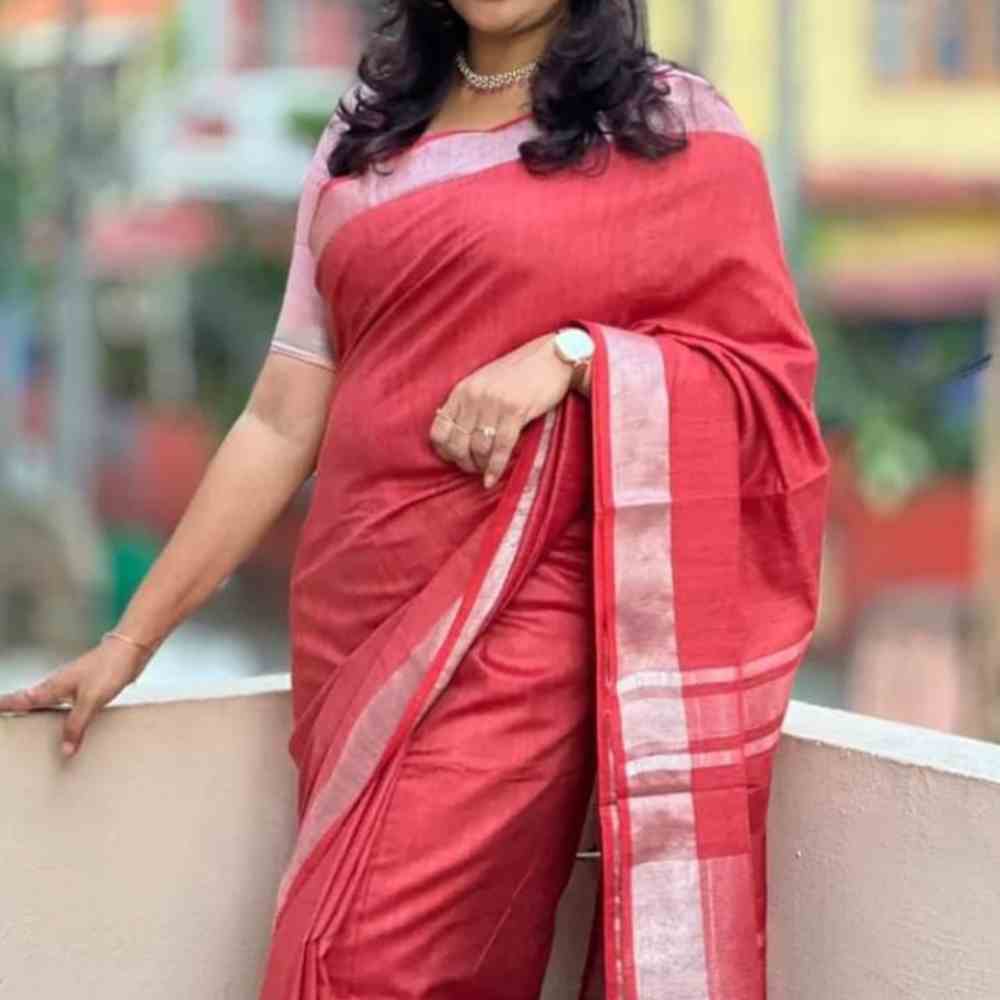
(575, 344)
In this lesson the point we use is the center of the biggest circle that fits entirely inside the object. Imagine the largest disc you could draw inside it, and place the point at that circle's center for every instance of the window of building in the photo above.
(943, 40)
(281, 24)
(952, 39)
(892, 39)
(993, 39)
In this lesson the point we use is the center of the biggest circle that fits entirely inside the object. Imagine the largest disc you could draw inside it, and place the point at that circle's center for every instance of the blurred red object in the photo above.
(928, 540)
(152, 461)
(331, 33)
(208, 127)
(125, 241)
(15, 14)
(139, 238)
(154, 481)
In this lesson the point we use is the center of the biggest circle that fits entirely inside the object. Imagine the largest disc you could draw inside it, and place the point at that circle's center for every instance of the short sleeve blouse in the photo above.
(301, 331)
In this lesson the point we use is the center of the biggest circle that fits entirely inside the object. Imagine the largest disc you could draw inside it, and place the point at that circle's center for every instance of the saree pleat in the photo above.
(699, 473)
(358, 759)
(690, 704)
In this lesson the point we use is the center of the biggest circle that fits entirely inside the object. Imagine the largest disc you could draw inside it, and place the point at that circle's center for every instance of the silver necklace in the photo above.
(492, 81)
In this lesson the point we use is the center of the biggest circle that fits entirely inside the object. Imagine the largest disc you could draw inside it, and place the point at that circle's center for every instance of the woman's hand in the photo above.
(479, 423)
(89, 682)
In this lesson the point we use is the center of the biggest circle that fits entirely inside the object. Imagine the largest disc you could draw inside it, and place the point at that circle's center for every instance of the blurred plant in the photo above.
(170, 43)
(307, 125)
(235, 300)
(896, 389)
(11, 184)
(236, 296)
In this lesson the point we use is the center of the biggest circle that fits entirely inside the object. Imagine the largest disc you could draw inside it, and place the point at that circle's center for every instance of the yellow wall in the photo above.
(669, 29)
(743, 43)
(853, 117)
(949, 238)
(849, 117)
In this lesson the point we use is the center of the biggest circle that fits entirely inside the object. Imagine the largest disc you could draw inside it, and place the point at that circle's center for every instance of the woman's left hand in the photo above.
(504, 396)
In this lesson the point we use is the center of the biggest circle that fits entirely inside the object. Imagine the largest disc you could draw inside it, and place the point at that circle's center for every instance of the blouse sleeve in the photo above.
(301, 331)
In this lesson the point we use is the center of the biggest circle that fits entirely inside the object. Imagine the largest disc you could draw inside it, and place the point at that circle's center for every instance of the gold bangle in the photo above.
(142, 646)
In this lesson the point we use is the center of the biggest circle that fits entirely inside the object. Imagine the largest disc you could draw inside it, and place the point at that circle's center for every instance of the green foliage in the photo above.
(11, 182)
(235, 301)
(895, 391)
(29, 189)
(307, 125)
(131, 552)
(170, 43)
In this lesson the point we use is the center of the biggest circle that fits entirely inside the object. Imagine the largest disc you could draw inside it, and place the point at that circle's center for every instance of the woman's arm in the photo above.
(266, 456)
(263, 460)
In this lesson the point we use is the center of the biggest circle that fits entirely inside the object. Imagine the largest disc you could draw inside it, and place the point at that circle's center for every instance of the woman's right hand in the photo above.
(89, 682)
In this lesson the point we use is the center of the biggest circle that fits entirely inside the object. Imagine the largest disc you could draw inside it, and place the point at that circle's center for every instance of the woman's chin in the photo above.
(494, 17)
(507, 18)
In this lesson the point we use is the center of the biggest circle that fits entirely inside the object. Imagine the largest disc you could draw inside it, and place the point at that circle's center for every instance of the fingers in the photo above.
(481, 440)
(508, 431)
(46, 693)
(52, 691)
(466, 406)
(77, 722)
(59, 689)
(446, 442)
(457, 431)
(458, 447)
(15, 701)
(451, 428)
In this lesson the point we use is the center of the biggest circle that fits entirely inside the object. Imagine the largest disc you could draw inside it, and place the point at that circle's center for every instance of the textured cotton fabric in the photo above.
(631, 600)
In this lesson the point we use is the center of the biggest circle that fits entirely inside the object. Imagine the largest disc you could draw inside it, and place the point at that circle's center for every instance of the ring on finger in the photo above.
(454, 423)
(487, 431)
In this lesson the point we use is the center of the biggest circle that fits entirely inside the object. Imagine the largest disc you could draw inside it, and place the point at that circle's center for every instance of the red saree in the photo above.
(632, 598)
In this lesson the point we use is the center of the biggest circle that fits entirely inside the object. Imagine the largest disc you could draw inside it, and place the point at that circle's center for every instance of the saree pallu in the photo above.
(692, 486)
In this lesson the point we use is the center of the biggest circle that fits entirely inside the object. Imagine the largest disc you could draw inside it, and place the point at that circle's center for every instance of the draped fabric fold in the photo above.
(710, 491)
(696, 468)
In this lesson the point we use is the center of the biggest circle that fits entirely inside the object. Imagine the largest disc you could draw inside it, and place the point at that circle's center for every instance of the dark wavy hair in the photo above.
(596, 78)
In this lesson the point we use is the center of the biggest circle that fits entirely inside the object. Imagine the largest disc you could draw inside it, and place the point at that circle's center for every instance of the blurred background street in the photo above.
(151, 154)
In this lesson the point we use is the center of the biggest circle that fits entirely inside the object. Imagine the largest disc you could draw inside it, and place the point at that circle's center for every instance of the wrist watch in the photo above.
(574, 345)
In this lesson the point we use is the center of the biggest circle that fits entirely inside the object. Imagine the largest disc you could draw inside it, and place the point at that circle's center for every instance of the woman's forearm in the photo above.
(249, 482)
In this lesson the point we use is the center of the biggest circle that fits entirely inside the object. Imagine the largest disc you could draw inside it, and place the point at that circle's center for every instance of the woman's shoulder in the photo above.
(700, 104)
(336, 126)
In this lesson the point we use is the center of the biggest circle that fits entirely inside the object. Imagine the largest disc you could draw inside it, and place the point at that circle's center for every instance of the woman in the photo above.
(541, 344)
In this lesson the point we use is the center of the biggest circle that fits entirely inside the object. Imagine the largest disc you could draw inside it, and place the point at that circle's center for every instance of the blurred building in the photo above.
(897, 150)
(191, 137)
(198, 128)
(220, 75)
(878, 119)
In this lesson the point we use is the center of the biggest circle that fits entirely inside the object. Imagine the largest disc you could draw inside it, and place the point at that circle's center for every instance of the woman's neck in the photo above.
(490, 53)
